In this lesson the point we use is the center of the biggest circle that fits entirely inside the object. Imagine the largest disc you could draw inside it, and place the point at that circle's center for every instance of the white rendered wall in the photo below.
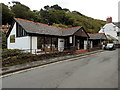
(60, 44)
(110, 29)
(13, 32)
(20, 42)
(34, 44)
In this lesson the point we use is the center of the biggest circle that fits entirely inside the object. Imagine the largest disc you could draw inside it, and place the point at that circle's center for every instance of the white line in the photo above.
(46, 65)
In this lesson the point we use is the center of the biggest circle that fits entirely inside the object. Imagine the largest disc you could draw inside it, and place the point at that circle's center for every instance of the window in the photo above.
(118, 33)
(47, 43)
(70, 39)
(20, 31)
(55, 42)
(12, 39)
(40, 42)
(61, 41)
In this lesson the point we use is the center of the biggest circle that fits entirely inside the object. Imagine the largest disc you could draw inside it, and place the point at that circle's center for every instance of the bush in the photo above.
(10, 52)
(14, 57)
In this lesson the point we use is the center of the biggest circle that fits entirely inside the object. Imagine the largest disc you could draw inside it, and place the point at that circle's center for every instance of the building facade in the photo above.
(110, 30)
(38, 37)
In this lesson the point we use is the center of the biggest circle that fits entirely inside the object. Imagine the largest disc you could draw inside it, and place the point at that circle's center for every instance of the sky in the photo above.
(97, 9)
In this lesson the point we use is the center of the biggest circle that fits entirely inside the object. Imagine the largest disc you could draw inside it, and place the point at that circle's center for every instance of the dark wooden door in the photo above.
(81, 44)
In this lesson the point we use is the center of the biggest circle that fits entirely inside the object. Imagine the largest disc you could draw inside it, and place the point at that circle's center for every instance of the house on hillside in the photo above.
(111, 31)
(29, 35)
(96, 39)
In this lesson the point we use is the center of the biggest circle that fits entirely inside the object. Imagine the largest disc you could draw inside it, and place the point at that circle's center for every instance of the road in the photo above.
(95, 71)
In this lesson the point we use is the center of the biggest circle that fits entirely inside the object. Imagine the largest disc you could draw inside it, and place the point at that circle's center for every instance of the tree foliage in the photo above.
(22, 11)
(4, 40)
(7, 15)
(56, 7)
(52, 15)
(46, 7)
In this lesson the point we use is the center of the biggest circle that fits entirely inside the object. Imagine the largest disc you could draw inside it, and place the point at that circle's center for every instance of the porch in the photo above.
(51, 43)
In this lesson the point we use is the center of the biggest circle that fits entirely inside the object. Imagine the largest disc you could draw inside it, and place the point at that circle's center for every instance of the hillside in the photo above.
(52, 15)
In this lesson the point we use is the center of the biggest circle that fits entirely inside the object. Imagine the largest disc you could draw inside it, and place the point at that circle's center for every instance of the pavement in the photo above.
(99, 70)
(27, 66)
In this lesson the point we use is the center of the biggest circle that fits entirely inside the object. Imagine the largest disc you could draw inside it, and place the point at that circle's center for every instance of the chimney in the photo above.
(109, 20)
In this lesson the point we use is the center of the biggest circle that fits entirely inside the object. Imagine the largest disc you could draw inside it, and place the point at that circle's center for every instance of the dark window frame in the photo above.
(118, 33)
(20, 30)
(47, 40)
(12, 38)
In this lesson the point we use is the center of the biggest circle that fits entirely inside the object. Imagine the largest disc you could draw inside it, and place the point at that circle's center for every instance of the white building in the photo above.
(38, 37)
(110, 30)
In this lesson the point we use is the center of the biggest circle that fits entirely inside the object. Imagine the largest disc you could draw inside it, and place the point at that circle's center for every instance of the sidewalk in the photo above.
(20, 67)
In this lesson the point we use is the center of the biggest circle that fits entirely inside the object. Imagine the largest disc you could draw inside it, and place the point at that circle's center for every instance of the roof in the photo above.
(70, 31)
(95, 36)
(110, 37)
(4, 26)
(40, 28)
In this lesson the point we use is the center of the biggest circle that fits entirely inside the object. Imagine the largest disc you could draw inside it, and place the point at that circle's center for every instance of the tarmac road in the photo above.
(95, 71)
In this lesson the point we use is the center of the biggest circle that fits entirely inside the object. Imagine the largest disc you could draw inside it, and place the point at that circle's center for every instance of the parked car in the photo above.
(109, 46)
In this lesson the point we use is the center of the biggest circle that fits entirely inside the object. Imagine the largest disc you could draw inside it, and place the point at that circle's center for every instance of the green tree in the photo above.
(46, 7)
(37, 17)
(44, 16)
(56, 7)
(61, 25)
(22, 11)
(7, 15)
(15, 2)
(65, 9)
(4, 40)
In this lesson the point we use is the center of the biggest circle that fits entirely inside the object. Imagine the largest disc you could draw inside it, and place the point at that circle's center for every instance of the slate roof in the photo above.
(70, 31)
(40, 28)
(95, 36)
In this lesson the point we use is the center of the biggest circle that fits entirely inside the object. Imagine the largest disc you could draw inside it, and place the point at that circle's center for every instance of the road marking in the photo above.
(72, 59)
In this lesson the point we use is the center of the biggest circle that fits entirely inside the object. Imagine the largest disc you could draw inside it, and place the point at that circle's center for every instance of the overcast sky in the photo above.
(98, 9)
